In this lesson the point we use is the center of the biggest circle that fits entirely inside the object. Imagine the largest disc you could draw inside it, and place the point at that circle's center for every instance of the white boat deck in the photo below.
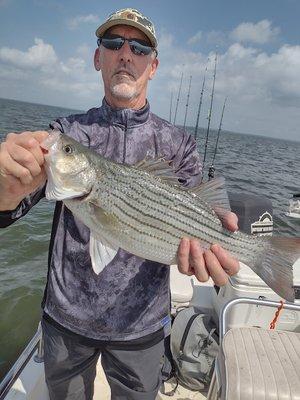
(102, 390)
(30, 385)
(33, 387)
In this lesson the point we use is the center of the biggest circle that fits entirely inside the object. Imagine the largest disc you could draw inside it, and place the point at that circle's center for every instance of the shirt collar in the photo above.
(125, 116)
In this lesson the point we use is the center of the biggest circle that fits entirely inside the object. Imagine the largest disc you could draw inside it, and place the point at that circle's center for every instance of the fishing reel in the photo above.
(211, 172)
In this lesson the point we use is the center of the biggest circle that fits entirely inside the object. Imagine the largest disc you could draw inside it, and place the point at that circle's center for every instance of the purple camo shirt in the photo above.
(130, 297)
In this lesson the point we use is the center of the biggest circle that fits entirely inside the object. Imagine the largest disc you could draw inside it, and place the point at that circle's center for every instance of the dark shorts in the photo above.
(132, 368)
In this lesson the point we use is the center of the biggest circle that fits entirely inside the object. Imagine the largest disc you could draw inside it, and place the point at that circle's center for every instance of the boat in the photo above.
(254, 361)
(294, 206)
(26, 378)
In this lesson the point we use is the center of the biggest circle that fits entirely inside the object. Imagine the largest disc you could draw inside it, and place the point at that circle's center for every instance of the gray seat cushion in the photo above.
(259, 364)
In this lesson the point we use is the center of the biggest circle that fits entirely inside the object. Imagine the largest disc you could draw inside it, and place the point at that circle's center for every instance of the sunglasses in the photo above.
(137, 46)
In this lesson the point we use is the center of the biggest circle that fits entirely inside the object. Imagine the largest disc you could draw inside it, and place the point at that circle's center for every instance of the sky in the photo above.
(47, 47)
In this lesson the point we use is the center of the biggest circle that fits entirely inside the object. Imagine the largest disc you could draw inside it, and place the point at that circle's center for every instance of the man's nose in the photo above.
(125, 54)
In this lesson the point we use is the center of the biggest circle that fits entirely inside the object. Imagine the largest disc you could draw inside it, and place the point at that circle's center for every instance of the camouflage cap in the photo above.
(132, 17)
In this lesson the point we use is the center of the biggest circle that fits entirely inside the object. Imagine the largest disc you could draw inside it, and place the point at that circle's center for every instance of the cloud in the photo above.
(263, 89)
(39, 68)
(215, 38)
(260, 33)
(73, 23)
(9, 73)
(39, 55)
(251, 74)
(247, 32)
(195, 39)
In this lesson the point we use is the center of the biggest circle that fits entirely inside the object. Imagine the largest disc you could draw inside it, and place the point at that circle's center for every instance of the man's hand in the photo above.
(21, 167)
(215, 262)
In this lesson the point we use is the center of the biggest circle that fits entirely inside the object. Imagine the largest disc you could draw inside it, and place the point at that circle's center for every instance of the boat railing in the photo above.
(258, 302)
(21, 362)
(216, 381)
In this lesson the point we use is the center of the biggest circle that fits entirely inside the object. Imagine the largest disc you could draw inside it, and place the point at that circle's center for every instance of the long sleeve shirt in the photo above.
(130, 297)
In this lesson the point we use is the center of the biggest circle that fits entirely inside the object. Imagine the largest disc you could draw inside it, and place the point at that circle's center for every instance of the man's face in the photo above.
(125, 75)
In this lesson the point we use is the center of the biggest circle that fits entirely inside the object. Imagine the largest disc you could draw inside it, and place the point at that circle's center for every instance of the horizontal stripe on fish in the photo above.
(143, 211)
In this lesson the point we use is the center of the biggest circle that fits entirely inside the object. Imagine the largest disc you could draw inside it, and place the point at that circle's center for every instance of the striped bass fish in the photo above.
(144, 210)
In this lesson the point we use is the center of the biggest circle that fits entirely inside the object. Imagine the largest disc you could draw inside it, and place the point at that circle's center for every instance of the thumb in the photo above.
(230, 221)
(40, 136)
(37, 182)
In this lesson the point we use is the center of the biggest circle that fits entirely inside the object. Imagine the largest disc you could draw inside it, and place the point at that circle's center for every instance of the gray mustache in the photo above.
(126, 70)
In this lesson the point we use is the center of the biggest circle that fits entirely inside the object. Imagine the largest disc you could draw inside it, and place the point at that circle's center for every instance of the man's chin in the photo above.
(123, 91)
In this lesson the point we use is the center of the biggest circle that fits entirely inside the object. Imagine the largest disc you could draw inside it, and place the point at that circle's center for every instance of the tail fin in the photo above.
(276, 268)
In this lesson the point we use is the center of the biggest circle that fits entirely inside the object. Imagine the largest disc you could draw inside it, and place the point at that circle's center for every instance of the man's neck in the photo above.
(134, 104)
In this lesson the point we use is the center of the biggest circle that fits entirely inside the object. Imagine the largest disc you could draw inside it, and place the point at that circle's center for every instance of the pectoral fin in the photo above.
(101, 254)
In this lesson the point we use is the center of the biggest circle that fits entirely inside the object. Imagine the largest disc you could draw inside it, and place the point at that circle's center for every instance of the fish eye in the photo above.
(68, 149)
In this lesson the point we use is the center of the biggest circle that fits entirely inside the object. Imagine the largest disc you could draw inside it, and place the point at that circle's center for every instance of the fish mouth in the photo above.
(51, 140)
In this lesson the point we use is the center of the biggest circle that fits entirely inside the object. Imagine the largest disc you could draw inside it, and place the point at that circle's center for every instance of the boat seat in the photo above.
(186, 288)
(259, 364)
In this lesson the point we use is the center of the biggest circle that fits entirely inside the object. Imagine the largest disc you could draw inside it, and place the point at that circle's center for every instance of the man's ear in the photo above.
(97, 59)
(154, 66)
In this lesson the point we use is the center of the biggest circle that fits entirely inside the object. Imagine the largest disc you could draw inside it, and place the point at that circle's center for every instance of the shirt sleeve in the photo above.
(60, 124)
(188, 166)
(9, 217)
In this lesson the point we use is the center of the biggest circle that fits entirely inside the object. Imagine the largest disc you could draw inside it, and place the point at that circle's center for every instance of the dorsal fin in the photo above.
(159, 167)
(215, 194)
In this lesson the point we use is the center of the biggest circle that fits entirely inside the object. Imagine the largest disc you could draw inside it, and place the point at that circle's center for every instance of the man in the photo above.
(122, 314)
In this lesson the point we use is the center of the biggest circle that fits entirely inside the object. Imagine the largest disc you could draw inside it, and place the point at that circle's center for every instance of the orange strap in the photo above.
(273, 323)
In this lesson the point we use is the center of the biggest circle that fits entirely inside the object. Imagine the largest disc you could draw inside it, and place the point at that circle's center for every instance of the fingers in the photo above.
(26, 159)
(183, 257)
(215, 262)
(40, 136)
(232, 222)
(11, 167)
(220, 264)
(21, 155)
(21, 167)
(190, 259)
(229, 263)
(229, 220)
(29, 141)
(215, 269)
(12, 191)
(24, 137)
(198, 262)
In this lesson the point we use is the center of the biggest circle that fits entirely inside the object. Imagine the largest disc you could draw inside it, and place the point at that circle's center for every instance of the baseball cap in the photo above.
(131, 17)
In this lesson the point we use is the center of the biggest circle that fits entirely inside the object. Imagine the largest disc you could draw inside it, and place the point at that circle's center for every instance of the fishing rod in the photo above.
(200, 105)
(209, 114)
(178, 97)
(171, 105)
(211, 170)
(187, 101)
